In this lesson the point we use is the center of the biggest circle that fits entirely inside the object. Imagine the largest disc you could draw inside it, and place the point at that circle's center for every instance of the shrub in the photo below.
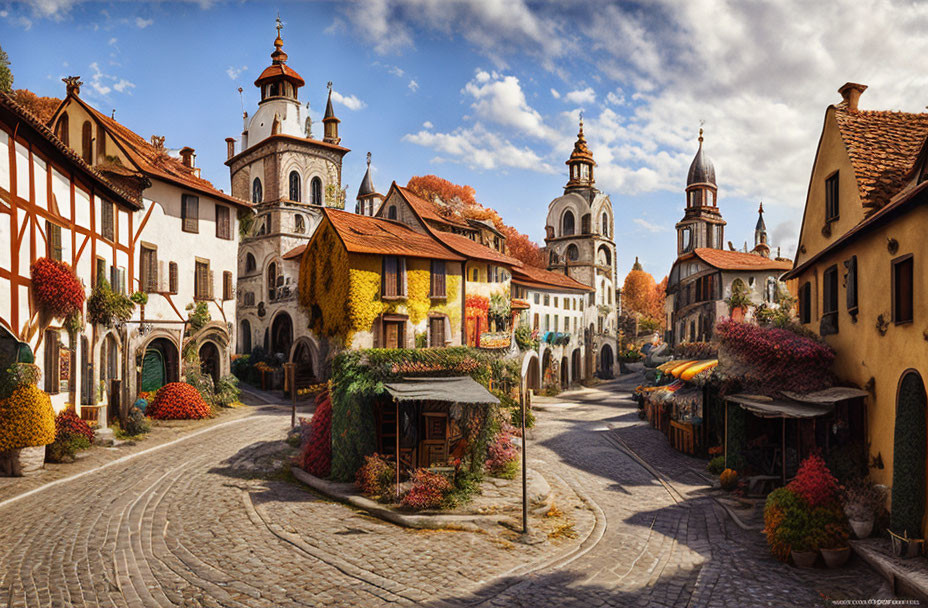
(729, 479)
(792, 524)
(863, 499)
(65, 447)
(526, 338)
(781, 504)
(26, 419)
(226, 392)
(55, 288)
(428, 490)
(18, 375)
(376, 476)
(106, 307)
(503, 457)
(136, 422)
(515, 417)
(716, 465)
(316, 454)
(815, 483)
(178, 401)
(696, 350)
(69, 423)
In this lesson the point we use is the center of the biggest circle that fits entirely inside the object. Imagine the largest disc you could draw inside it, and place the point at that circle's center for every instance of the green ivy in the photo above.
(106, 307)
(737, 439)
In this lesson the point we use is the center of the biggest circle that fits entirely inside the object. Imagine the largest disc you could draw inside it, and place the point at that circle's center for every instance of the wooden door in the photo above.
(437, 331)
(391, 333)
(434, 449)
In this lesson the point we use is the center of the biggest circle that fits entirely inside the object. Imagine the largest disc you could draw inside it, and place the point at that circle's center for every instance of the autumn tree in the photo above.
(638, 293)
(6, 76)
(452, 200)
(42, 107)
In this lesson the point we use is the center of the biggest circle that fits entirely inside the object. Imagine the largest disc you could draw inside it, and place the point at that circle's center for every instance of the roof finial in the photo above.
(761, 210)
(328, 85)
(280, 24)
(581, 122)
(368, 159)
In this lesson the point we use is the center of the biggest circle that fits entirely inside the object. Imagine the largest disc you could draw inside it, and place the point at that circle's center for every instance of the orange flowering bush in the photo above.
(26, 419)
(69, 423)
(729, 479)
(178, 401)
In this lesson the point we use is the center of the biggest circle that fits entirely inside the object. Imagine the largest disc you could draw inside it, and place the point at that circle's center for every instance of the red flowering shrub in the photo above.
(375, 476)
(178, 401)
(316, 453)
(428, 491)
(770, 359)
(503, 456)
(815, 483)
(67, 423)
(56, 290)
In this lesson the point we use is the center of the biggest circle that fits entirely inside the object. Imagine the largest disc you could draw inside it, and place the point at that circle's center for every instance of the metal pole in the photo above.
(397, 449)
(783, 452)
(291, 369)
(523, 399)
(725, 446)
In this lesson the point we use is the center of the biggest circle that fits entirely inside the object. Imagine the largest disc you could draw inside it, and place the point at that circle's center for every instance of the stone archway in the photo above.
(546, 364)
(305, 357)
(565, 372)
(282, 334)
(244, 337)
(160, 364)
(575, 365)
(210, 363)
(530, 372)
(606, 361)
(909, 450)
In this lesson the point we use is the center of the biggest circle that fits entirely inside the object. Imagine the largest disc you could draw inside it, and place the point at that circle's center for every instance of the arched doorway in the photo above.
(209, 361)
(532, 375)
(160, 364)
(545, 366)
(244, 337)
(303, 359)
(565, 373)
(282, 334)
(109, 371)
(575, 365)
(605, 361)
(908, 493)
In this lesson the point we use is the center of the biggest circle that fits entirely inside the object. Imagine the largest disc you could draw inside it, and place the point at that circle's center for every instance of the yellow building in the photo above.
(859, 268)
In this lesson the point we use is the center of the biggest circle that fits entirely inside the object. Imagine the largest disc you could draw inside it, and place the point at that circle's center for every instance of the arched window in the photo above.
(573, 254)
(315, 191)
(391, 212)
(272, 281)
(605, 224)
(604, 257)
(273, 90)
(244, 338)
(567, 223)
(63, 131)
(257, 192)
(295, 186)
(299, 224)
(87, 142)
(250, 264)
(554, 257)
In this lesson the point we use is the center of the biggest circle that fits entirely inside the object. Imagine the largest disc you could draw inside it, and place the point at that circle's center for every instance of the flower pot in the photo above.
(804, 559)
(861, 527)
(835, 558)
(17, 463)
(737, 314)
(905, 547)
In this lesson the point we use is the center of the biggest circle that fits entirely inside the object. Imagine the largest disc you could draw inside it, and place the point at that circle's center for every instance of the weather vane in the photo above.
(329, 86)
(368, 159)
(280, 24)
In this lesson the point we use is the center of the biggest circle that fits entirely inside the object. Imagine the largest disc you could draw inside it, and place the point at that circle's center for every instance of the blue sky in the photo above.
(488, 93)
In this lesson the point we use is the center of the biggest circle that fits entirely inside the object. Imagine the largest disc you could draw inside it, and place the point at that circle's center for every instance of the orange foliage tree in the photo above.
(452, 200)
(638, 293)
(42, 107)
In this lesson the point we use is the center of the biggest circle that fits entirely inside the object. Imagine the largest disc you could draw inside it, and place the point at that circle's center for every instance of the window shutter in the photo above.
(390, 277)
(223, 228)
(211, 280)
(438, 279)
(172, 277)
(401, 277)
(852, 283)
(107, 221)
(114, 278)
(162, 278)
(121, 273)
(190, 213)
(226, 285)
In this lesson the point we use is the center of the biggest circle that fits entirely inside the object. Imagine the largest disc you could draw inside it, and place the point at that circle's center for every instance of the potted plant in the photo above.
(27, 421)
(835, 550)
(728, 479)
(739, 301)
(804, 550)
(905, 547)
(862, 501)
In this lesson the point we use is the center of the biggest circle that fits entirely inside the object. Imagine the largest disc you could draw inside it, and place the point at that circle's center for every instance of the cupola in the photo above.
(368, 198)
(701, 189)
(278, 80)
(580, 163)
(330, 122)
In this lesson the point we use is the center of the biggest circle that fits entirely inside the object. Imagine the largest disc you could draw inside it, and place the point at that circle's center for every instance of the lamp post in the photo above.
(523, 399)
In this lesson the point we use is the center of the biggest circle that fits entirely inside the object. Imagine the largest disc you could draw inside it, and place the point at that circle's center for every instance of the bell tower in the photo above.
(580, 165)
(702, 225)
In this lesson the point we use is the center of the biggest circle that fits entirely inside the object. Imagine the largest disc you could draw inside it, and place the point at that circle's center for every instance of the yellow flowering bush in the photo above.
(323, 284)
(26, 419)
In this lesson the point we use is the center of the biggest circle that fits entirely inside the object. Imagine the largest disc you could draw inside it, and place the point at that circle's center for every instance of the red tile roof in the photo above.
(155, 162)
(279, 70)
(119, 195)
(295, 252)
(531, 276)
(284, 136)
(427, 210)
(474, 250)
(738, 260)
(363, 234)
(882, 147)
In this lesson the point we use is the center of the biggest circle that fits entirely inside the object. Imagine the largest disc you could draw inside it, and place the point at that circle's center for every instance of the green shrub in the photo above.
(107, 307)
(136, 423)
(716, 465)
(515, 417)
(65, 447)
(226, 392)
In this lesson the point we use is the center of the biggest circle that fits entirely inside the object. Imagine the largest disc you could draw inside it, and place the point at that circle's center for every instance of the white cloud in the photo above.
(52, 9)
(616, 98)
(123, 85)
(555, 94)
(413, 86)
(351, 102)
(113, 41)
(428, 125)
(103, 84)
(396, 71)
(499, 98)
(650, 226)
(143, 23)
(234, 72)
(479, 148)
(587, 95)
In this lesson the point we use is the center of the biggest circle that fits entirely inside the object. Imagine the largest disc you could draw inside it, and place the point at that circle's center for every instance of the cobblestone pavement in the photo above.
(200, 523)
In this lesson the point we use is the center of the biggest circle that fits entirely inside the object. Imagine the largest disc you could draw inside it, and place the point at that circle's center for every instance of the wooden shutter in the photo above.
(390, 277)
(172, 277)
(149, 269)
(114, 278)
(223, 223)
(200, 279)
(106, 219)
(226, 285)
(438, 279)
(52, 347)
(190, 213)
(903, 297)
(851, 265)
(401, 277)
(437, 326)
(53, 234)
(211, 281)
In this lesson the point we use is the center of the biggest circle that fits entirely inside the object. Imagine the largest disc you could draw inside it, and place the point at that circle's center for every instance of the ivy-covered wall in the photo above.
(324, 284)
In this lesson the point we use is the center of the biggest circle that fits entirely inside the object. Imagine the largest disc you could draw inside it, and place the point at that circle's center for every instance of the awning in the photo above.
(765, 407)
(463, 389)
(829, 395)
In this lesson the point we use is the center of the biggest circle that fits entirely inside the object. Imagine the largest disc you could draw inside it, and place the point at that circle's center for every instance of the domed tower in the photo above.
(368, 198)
(760, 234)
(580, 165)
(330, 122)
(702, 225)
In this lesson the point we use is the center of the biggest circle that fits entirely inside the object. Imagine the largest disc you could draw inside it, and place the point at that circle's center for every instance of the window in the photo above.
(556, 301)
(567, 223)
(63, 129)
(585, 224)
(437, 289)
(391, 212)
(805, 303)
(172, 277)
(537, 298)
(87, 142)
(686, 239)
(556, 324)
(605, 224)
(903, 292)
(295, 186)
(547, 322)
(148, 269)
(831, 198)
(475, 275)
(52, 354)
(53, 238)
(223, 223)
(829, 323)
(107, 221)
(851, 283)
(547, 300)
(436, 332)
(257, 192)
(299, 224)
(118, 279)
(535, 322)
(227, 285)
(393, 280)
(100, 270)
(250, 264)
(202, 286)
(272, 281)
(573, 254)
(315, 187)
(190, 213)
(394, 334)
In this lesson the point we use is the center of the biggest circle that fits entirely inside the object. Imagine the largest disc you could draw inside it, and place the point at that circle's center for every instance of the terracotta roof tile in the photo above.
(882, 147)
(155, 162)
(545, 279)
(474, 250)
(427, 210)
(276, 70)
(738, 260)
(364, 234)
(295, 252)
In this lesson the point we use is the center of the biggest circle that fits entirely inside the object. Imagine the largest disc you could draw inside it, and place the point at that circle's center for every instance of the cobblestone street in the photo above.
(200, 522)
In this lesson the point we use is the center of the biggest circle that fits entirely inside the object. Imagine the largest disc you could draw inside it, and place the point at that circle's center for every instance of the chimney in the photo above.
(230, 147)
(187, 155)
(851, 93)
(72, 85)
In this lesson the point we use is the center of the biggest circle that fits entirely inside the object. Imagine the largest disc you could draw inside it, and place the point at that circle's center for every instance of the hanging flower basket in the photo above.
(56, 290)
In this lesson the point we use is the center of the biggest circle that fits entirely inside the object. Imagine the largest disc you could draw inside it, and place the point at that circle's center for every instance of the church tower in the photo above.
(368, 198)
(702, 225)
(761, 247)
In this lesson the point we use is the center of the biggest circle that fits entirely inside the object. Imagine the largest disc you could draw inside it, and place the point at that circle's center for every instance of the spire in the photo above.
(330, 121)
(761, 225)
(367, 184)
(760, 234)
(637, 265)
(581, 162)
(278, 56)
(278, 73)
(702, 171)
